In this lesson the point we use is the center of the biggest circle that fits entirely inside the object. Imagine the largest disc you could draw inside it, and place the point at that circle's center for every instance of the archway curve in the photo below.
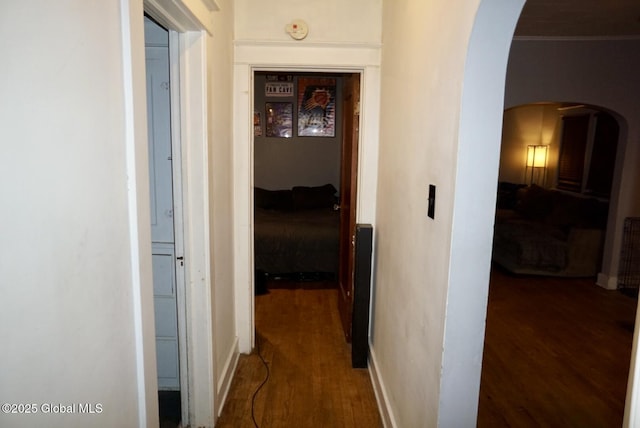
(474, 206)
(479, 141)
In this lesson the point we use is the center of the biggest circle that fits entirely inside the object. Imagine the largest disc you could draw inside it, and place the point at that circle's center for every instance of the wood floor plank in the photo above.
(556, 354)
(311, 382)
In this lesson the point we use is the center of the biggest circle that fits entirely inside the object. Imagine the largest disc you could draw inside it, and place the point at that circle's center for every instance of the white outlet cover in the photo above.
(297, 29)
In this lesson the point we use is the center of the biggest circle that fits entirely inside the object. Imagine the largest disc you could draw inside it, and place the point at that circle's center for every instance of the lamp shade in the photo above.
(537, 156)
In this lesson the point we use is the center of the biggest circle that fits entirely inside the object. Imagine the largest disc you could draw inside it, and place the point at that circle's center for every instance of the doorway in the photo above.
(166, 227)
(548, 85)
(305, 162)
(533, 295)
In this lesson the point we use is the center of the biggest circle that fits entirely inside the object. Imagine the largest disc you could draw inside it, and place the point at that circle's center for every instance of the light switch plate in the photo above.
(431, 208)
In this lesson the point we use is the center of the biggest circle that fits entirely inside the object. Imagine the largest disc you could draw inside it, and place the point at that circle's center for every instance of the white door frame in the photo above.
(177, 216)
(191, 27)
(277, 57)
(178, 221)
(188, 59)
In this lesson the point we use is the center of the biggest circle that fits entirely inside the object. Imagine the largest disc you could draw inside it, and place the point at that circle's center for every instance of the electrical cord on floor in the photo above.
(266, 366)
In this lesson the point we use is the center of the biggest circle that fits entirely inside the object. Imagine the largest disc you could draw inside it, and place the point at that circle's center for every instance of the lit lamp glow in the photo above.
(536, 156)
(537, 162)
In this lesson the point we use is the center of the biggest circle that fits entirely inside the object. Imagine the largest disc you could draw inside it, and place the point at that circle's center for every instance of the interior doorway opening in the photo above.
(580, 141)
(305, 140)
(536, 294)
(305, 160)
(167, 246)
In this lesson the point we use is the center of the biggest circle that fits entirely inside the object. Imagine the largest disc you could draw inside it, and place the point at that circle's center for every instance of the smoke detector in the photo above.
(297, 29)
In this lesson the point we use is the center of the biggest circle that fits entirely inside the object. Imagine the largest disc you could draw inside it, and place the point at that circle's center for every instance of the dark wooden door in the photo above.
(348, 179)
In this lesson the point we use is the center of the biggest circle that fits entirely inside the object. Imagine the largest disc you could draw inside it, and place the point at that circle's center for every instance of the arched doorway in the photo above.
(473, 118)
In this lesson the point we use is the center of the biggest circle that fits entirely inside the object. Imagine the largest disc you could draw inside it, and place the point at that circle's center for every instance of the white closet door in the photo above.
(159, 130)
(164, 296)
(162, 226)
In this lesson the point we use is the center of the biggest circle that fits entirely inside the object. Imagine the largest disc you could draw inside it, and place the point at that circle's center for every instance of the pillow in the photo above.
(280, 200)
(312, 198)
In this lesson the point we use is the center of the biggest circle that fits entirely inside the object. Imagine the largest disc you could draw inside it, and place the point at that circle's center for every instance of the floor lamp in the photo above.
(536, 166)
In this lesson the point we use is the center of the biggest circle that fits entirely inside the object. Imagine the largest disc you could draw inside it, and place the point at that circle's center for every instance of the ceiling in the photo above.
(579, 18)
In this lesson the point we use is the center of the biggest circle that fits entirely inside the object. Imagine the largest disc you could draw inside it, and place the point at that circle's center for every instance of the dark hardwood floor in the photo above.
(311, 383)
(556, 353)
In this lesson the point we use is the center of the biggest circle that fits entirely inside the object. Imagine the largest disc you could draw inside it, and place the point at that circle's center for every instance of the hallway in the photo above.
(311, 382)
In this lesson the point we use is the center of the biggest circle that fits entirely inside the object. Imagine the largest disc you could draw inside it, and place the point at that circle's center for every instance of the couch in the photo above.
(548, 232)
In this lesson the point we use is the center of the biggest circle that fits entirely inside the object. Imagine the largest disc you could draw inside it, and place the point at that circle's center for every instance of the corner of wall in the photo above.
(607, 282)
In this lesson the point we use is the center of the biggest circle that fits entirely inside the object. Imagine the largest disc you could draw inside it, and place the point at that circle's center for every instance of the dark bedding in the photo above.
(296, 240)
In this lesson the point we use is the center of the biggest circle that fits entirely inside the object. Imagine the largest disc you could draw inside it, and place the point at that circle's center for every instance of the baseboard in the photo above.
(607, 282)
(388, 420)
(226, 376)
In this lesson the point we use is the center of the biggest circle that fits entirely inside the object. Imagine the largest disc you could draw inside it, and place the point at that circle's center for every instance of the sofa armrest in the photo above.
(584, 251)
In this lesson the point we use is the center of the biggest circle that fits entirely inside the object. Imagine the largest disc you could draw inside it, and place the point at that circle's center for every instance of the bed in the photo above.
(296, 231)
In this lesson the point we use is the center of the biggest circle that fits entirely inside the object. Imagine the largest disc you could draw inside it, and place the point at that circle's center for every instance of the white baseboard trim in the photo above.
(607, 282)
(226, 376)
(388, 419)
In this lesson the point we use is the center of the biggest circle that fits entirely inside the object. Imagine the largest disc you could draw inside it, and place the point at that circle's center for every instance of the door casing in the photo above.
(348, 197)
(248, 61)
(188, 63)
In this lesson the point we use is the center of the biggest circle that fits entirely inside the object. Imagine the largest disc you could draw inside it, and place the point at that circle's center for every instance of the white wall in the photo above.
(599, 72)
(432, 275)
(74, 310)
(220, 100)
(418, 144)
(76, 264)
(355, 21)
